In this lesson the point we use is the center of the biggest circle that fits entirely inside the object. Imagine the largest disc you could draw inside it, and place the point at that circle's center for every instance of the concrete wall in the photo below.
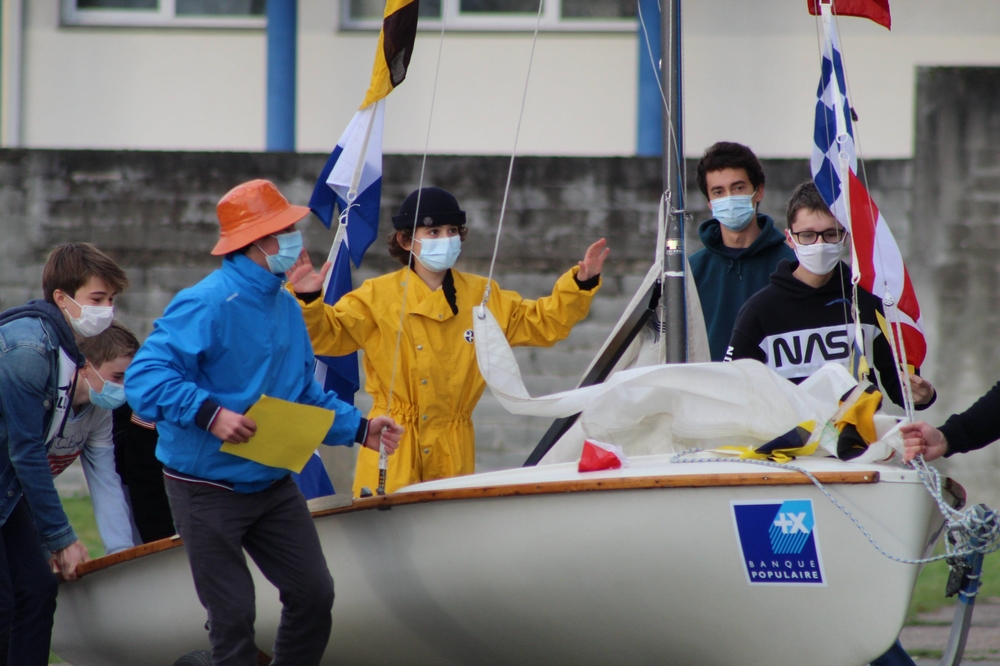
(750, 75)
(155, 214)
(956, 217)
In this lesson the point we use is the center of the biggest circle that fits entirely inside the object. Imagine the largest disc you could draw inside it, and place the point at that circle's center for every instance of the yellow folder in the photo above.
(287, 433)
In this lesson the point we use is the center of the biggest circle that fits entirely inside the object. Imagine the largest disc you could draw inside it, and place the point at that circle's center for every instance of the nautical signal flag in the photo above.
(834, 163)
(876, 10)
(395, 46)
(353, 173)
(351, 181)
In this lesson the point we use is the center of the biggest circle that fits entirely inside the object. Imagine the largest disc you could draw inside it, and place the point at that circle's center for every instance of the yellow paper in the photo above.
(287, 433)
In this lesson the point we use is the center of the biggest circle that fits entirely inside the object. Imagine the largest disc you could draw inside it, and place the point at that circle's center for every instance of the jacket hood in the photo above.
(54, 317)
(838, 287)
(710, 233)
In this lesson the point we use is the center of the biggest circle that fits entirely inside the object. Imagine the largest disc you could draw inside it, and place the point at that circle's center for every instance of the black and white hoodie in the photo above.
(795, 329)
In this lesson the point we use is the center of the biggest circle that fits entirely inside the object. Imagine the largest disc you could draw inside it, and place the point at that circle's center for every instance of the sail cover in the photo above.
(671, 408)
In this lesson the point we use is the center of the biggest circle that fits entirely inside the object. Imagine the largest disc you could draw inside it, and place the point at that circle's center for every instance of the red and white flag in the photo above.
(876, 10)
(835, 167)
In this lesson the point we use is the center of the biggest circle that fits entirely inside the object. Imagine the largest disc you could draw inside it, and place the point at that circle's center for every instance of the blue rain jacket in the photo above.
(231, 338)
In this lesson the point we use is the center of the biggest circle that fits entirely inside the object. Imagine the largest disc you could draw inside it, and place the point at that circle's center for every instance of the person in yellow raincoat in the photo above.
(437, 381)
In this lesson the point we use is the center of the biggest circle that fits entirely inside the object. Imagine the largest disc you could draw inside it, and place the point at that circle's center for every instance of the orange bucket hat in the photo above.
(252, 211)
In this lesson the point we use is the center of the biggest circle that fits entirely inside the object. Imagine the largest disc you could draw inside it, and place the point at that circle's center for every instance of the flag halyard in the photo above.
(351, 180)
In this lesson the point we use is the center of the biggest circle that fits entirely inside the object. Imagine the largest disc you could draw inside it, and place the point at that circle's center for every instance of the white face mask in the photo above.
(820, 258)
(93, 319)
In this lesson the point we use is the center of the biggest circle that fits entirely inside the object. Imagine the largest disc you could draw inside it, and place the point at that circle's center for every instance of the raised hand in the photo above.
(304, 278)
(593, 260)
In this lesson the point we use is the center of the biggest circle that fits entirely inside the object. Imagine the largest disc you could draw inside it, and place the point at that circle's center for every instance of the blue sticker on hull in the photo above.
(778, 542)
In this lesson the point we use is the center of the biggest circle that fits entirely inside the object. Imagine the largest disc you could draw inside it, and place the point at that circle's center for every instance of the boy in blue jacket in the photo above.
(742, 247)
(220, 345)
(39, 360)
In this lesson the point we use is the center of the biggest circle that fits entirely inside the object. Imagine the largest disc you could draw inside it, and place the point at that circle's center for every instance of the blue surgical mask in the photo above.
(735, 212)
(439, 254)
(289, 250)
(112, 395)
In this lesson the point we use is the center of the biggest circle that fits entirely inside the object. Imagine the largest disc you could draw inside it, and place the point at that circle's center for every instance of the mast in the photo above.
(670, 303)
(674, 302)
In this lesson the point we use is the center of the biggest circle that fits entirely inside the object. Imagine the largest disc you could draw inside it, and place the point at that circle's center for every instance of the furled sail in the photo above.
(668, 408)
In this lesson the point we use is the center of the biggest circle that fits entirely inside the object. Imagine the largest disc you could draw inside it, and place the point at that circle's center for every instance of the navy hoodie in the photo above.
(725, 281)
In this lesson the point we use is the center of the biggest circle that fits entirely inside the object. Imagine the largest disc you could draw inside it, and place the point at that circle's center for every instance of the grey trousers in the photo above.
(276, 530)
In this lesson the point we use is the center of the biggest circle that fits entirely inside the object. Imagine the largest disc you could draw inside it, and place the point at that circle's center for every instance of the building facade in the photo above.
(190, 74)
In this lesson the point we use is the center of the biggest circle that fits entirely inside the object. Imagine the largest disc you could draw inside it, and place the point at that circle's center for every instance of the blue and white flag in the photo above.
(353, 173)
(339, 373)
(334, 373)
(351, 181)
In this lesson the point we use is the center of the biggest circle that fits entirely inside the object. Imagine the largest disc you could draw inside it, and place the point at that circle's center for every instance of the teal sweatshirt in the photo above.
(727, 277)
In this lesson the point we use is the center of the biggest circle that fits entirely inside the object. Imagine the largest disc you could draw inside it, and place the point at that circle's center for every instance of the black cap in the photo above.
(437, 207)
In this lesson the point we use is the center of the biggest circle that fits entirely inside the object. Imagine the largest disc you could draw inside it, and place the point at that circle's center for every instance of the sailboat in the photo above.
(684, 556)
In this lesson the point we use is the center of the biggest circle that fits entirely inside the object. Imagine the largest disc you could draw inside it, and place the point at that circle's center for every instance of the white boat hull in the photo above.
(642, 575)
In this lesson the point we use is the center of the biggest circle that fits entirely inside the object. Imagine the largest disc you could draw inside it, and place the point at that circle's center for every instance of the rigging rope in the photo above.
(681, 167)
(510, 167)
(383, 457)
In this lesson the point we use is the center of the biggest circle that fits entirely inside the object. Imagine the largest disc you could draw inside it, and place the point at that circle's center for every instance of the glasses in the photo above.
(810, 237)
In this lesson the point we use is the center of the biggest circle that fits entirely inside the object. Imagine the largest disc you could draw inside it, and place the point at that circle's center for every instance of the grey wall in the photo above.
(956, 259)
(155, 214)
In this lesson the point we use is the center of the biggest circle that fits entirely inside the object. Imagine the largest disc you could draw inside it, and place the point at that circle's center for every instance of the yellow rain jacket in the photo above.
(437, 378)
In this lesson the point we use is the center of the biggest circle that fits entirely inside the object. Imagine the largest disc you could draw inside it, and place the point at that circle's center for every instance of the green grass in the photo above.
(928, 595)
(80, 512)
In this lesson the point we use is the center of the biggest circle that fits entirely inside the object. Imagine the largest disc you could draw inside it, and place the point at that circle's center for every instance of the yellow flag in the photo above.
(395, 46)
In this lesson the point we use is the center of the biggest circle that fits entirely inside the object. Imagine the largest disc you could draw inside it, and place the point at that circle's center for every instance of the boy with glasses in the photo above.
(803, 319)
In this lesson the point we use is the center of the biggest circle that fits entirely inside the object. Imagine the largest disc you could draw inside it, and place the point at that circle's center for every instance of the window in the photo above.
(500, 15)
(167, 13)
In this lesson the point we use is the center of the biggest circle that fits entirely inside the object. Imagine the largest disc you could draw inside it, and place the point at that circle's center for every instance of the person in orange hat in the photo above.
(219, 346)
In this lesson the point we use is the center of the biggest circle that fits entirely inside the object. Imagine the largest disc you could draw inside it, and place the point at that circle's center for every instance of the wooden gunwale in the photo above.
(777, 478)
